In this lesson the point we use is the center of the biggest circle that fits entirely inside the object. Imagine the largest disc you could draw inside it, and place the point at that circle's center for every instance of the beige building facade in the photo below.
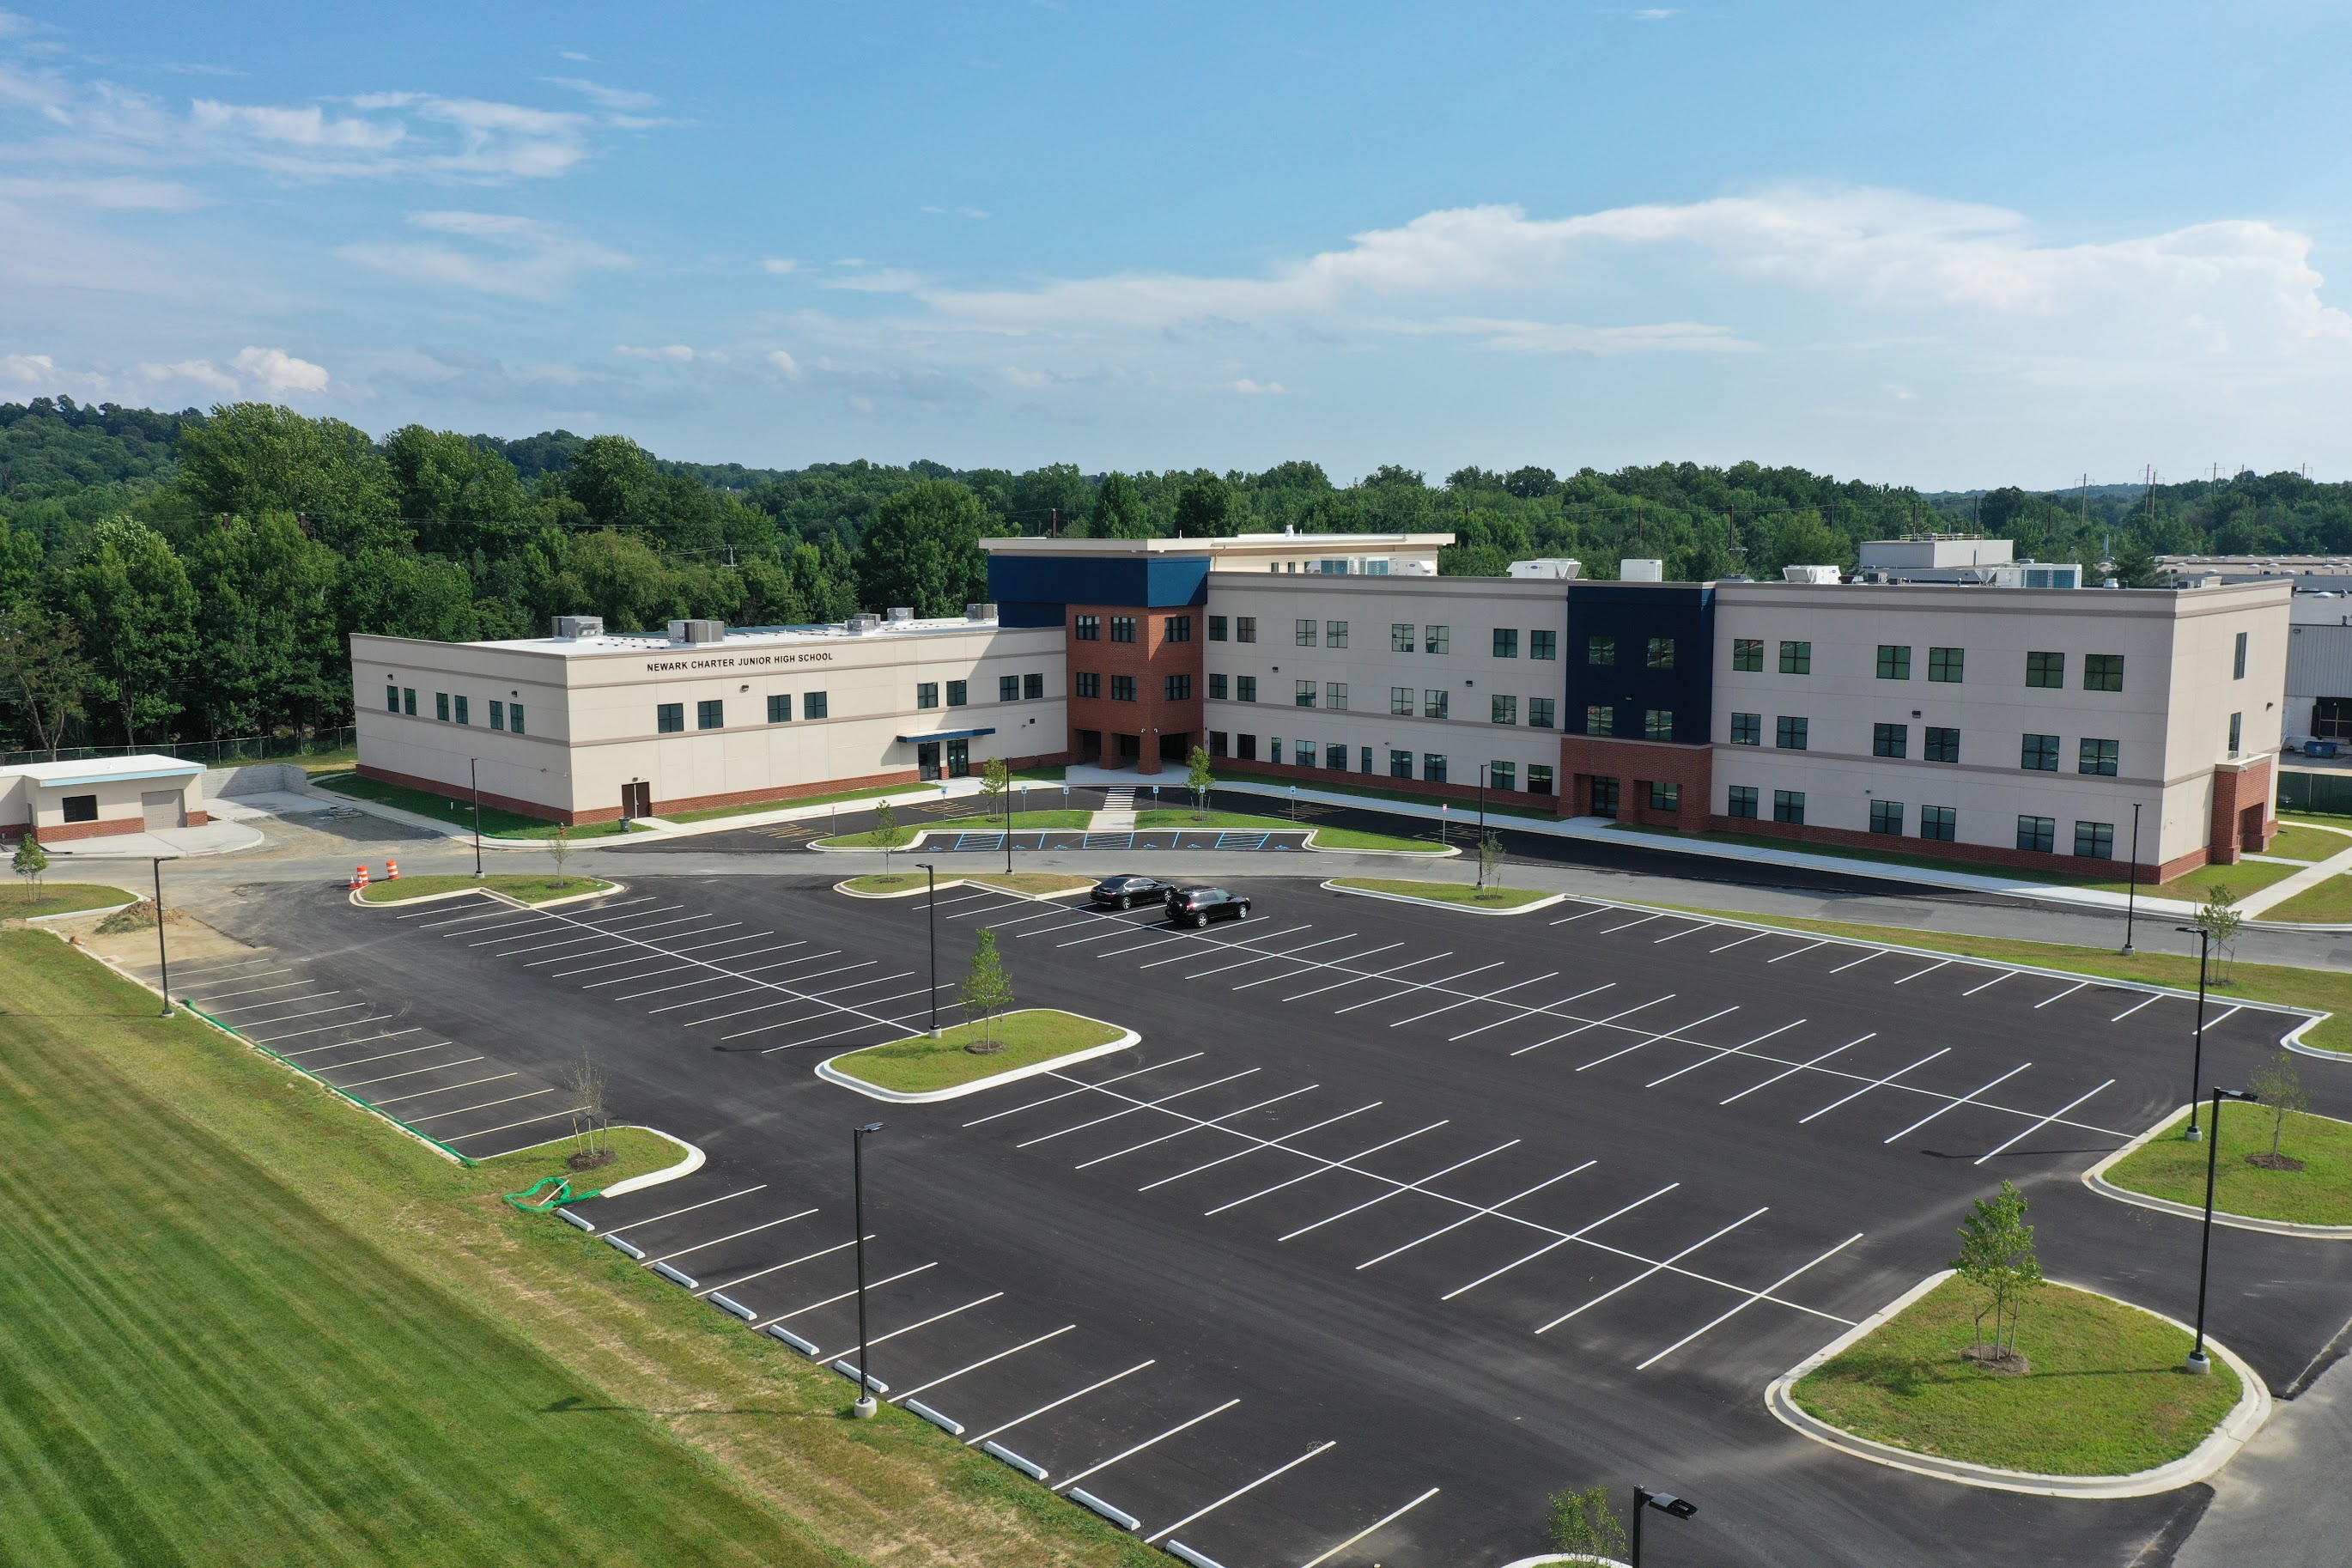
(99, 798)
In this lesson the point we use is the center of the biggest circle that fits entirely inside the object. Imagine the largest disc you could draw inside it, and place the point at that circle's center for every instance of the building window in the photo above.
(2237, 730)
(1435, 703)
(1177, 688)
(1939, 822)
(1122, 689)
(1506, 710)
(1747, 728)
(498, 714)
(1008, 688)
(1788, 806)
(1506, 642)
(408, 701)
(927, 694)
(779, 708)
(1747, 655)
(1943, 745)
(1366, 752)
(1946, 663)
(1218, 689)
(1244, 628)
(814, 705)
(1245, 687)
(514, 718)
(2095, 840)
(669, 717)
(392, 699)
(1657, 723)
(1090, 683)
(1539, 778)
(441, 706)
(2100, 757)
(1122, 628)
(1245, 748)
(1217, 629)
(1335, 633)
(1796, 658)
(1432, 768)
(1176, 628)
(462, 719)
(1032, 686)
(2103, 673)
(2045, 669)
(959, 693)
(1304, 634)
(1662, 653)
(1601, 650)
(1886, 817)
(1666, 795)
(1216, 742)
(1791, 734)
(1335, 695)
(2039, 834)
(1742, 801)
(1401, 700)
(1437, 640)
(1305, 757)
(1400, 764)
(1273, 750)
(1600, 720)
(710, 713)
(1543, 645)
(1890, 740)
(1541, 712)
(80, 807)
(1502, 775)
(1303, 693)
(1894, 662)
(2237, 664)
(1089, 629)
(1401, 637)
(2039, 753)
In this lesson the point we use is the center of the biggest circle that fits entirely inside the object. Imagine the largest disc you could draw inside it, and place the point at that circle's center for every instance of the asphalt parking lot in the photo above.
(1396, 1220)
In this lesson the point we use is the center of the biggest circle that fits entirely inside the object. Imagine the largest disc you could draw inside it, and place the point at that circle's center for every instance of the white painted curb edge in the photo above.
(487, 892)
(1526, 909)
(77, 914)
(2220, 1447)
(2096, 1178)
(846, 891)
(686, 1167)
(827, 1071)
(1544, 1562)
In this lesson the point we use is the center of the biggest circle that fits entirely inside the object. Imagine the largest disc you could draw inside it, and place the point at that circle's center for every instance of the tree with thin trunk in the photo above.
(985, 992)
(590, 1118)
(30, 862)
(2280, 1088)
(43, 672)
(1582, 1524)
(996, 789)
(889, 832)
(2219, 919)
(1202, 779)
(1490, 859)
(559, 846)
(1997, 1256)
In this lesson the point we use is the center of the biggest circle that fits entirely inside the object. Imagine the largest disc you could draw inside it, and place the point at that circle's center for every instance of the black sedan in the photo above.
(1126, 892)
(1197, 906)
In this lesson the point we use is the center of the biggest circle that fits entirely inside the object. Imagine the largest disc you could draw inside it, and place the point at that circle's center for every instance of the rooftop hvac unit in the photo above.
(1809, 573)
(1639, 570)
(697, 631)
(858, 625)
(573, 628)
(1556, 568)
(902, 613)
(980, 612)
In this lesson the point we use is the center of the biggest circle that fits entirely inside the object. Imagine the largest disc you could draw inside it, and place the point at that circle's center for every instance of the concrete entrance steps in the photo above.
(1118, 815)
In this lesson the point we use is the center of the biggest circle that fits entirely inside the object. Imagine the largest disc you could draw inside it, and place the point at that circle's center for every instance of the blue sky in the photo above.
(1944, 245)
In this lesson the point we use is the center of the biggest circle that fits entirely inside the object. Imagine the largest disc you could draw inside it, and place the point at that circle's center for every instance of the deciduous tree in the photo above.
(986, 992)
(1997, 1256)
(922, 551)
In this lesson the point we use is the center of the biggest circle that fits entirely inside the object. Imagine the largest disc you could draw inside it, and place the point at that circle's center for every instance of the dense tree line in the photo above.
(195, 575)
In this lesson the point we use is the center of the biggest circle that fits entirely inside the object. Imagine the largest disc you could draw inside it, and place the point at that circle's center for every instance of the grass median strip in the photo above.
(529, 889)
(496, 823)
(243, 1323)
(1326, 837)
(1463, 893)
(2329, 903)
(920, 1064)
(2106, 1395)
(23, 902)
(1016, 882)
(636, 1151)
(1021, 819)
(750, 808)
(2166, 1166)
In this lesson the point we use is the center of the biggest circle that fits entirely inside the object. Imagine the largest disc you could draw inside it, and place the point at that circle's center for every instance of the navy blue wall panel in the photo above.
(1149, 582)
(1633, 613)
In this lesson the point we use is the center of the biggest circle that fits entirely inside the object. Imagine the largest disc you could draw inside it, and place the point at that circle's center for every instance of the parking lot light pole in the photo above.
(474, 777)
(931, 879)
(864, 1408)
(2197, 1051)
(2199, 1361)
(1665, 1502)
(2131, 888)
(163, 955)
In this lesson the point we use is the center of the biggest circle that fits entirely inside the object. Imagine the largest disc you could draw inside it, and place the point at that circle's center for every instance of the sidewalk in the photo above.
(161, 843)
(2302, 881)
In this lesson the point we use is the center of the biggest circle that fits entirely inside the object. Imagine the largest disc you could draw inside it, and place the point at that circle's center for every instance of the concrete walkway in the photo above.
(2302, 881)
(2283, 1500)
(161, 843)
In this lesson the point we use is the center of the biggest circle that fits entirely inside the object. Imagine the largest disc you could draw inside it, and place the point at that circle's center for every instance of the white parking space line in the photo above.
(379, 1056)
(1148, 1442)
(1628, 925)
(283, 1002)
(1348, 1163)
(673, 1213)
(681, 947)
(1160, 940)
(1165, 1137)
(1990, 983)
(1495, 1208)
(1285, 955)
(1322, 1448)
(412, 1072)
(318, 1029)
(251, 990)
(1244, 963)
(1040, 915)
(2151, 996)
(780, 1267)
(986, 1361)
(1687, 930)
(1056, 1404)
(1379, 1524)
(1559, 1238)
(1876, 1083)
(730, 1236)
(2061, 996)
(1467, 1001)
(857, 984)
(1131, 1110)
(845, 1295)
(1865, 958)
(702, 980)
(2046, 1121)
(1255, 1144)
(1203, 936)
(1113, 928)
(925, 1323)
(2223, 1016)
(511, 1126)
(1376, 975)
(1581, 914)
(486, 1105)
(1002, 902)
(1742, 941)
(1955, 1104)
(1394, 1192)
(364, 1039)
(1645, 1273)
(1747, 1303)
(1661, 1034)
(1595, 1023)
(1547, 1008)
(1939, 963)
(1721, 1052)
(1085, 1085)
(1314, 964)
(446, 1089)
(1796, 952)
(1078, 925)
(1418, 985)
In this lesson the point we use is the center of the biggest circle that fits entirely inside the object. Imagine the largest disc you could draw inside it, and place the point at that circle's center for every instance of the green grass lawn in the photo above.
(1466, 893)
(2322, 990)
(20, 902)
(529, 889)
(2330, 903)
(1326, 837)
(2320, 1193)
(1498, 802)
(325, 761)
(1018, 882)
(2105, 1395)
(496, 823)
(963, 825)
(2245, 877)
(2296, 842)
(242, 1323)
(717, 812)
(636, 1151)
(920, 1064)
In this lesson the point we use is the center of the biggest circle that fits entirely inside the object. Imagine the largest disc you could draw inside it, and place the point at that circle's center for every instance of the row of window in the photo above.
(1404, 636)
(1334, 755)
(2093, 840)
(2101, 672)
(1433, 703)
(1172, 629)
(710, 713)
(2039, 753)
(1009, 688)
(1602, 650)
(457, 710)
(1173, 687)
(1657, 723)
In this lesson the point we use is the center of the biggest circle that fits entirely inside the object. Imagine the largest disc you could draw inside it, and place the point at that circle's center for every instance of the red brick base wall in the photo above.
(1635, 765)
(503, 802)
(1969, 854)
(782, 795)
(1517, 799)
(106, 828)
(2240, 792)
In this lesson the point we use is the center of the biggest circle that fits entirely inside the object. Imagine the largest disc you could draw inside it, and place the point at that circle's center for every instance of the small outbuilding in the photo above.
(59, 801)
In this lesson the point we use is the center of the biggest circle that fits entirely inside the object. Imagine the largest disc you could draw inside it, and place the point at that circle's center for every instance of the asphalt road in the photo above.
(1389, 1199)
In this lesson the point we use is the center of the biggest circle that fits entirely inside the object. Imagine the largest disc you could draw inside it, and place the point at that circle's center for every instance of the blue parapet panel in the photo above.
(1634, 614)
(1037, 587)
(1177, 581)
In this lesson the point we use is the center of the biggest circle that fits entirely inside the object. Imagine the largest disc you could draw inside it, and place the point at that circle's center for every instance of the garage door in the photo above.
(161, 808)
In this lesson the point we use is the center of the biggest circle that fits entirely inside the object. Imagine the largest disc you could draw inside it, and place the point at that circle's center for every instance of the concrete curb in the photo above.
(1526, 909)
(1542, 1561)
(76, 914)
(846, 891)
(2221, 1445)
(604, 892)
(64, 852)
(2096, 1178)
(685, 1167)
(827, 1071)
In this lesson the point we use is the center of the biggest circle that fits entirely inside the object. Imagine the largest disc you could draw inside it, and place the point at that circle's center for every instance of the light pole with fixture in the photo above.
(474, 778)
(2199, 1361)
(864, 1407)
(162, 954)
(1665, 1502)
(2131, 889)
(931, 879)
(2197, 1051)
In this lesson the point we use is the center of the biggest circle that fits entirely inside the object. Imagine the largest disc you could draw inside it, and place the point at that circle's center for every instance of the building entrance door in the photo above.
(1604, 797)
(926, 759)
(636, 800)
(162, 808)
(959, 759)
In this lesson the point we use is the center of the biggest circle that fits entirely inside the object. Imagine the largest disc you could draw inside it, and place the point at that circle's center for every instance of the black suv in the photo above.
(1126, 892)
(1198, 906)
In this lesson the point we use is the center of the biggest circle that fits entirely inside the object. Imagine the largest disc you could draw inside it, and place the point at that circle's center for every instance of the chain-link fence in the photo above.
(211, 754)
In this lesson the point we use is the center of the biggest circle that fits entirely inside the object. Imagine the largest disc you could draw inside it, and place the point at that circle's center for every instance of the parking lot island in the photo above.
(2309, 1195)
(1451, 895)
(922, 1069)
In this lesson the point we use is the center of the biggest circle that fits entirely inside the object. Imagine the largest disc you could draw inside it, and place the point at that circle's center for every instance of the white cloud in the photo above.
(784, 363)
(124, 192)
(678, 353)
(881, 280)
(620, 100)
(1249, 388)
(252, 371)
(31, 369)
(782, 264)
(278, 373)
(1566, 338)
(520, 258)
(1655, 14)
